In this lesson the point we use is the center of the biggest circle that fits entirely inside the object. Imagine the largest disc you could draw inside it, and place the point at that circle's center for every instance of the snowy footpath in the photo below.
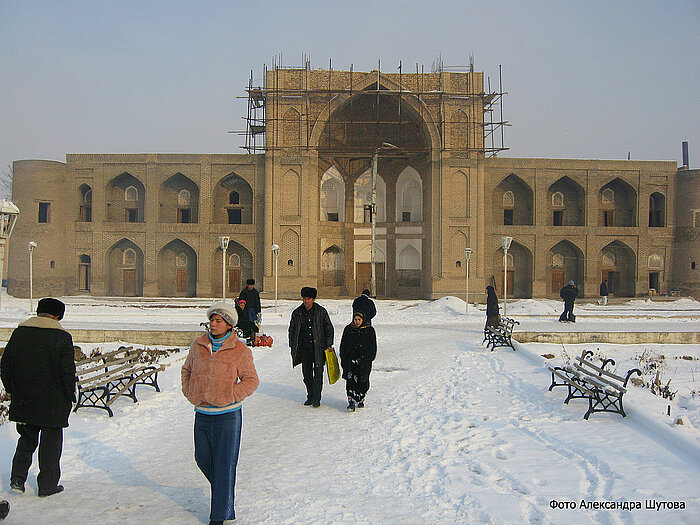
(452, 434)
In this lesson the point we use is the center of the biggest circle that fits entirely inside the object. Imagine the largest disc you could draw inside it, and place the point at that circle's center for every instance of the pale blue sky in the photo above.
(585, 79)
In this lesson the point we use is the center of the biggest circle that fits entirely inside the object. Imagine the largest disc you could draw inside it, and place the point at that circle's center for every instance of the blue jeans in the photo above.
(217, 440)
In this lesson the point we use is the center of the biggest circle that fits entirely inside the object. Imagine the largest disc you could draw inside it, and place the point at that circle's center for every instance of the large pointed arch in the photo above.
(617, 263)
(412, 108)
(126, 199)
(519, 211)
(232, 201)
(177, 270)
(238, 267)
(565, 262)
(125, 274)
(178, 198)
(618, 204)
(520, 270)
(566, 203)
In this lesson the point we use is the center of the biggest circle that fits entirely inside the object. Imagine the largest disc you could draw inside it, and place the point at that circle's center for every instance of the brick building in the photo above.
(148, 224)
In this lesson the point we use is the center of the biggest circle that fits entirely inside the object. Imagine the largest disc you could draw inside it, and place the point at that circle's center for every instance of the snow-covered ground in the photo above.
(452, 432)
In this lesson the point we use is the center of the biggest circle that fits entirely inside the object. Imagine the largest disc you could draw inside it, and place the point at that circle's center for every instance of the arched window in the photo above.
(558, 260)
(609, 260)
(181, 260)
(409, 259)
(508, 199)
(183, 198)
(608, 196)
(234, 260)
(131, 194)
(234, 198)
(129, 257)
(558, 199)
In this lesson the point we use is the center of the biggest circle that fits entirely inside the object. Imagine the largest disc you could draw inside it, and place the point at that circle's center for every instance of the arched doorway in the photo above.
(125, 269)
(566, 263)
(332, 267)
(177, 270)
(617, 263)
(238, 268)
(519, 278)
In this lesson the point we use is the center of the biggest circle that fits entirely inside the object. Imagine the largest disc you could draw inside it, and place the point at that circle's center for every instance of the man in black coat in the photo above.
(365, 305)
(38, 371)
(251, 296)
(604, 293)
(569, 294)
(310, 334)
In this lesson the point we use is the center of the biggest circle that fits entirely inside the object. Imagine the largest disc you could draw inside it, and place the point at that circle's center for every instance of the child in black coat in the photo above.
(358, 348)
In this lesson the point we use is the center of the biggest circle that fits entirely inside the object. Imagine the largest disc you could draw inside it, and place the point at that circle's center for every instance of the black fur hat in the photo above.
(307, 291)
(51, 306)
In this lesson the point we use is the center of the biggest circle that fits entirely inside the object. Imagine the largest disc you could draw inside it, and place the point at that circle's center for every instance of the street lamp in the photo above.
(8, 217)
(276, 252)
(467, 255)
(373, 215)
(223, 242)
(31, 247)
(505, 243)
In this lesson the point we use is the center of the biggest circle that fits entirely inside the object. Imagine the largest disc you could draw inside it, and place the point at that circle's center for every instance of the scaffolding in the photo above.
(428, 91)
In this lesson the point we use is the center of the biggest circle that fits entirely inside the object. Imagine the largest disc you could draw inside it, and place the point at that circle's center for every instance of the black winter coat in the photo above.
(244, 324)
(365, 305)
(252, 299)
(492, 308)
(357, 342)
(38, 371)
(603, 289)
(569, 293)
(322, 330)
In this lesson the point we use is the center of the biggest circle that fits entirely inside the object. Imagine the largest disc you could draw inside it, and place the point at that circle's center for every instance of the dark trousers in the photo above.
(217, 440)
(568, 313)
(357, 383)
(313, 374)
(50, 448)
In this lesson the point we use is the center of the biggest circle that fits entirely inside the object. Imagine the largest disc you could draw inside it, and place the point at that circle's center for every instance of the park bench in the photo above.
(500, 335)
(586, 380)
(101, 379)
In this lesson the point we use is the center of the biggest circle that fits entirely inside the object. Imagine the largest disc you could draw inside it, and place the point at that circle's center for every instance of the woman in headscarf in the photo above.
(358, 348)
(492, 316)
(217, 375)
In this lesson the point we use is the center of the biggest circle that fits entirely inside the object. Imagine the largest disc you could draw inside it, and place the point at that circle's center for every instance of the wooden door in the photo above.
(84, 277)
(613, 279)
(234, 280)
(129, 282)
(509, 281)
(364, 277)
(557, 280)
(181, 280)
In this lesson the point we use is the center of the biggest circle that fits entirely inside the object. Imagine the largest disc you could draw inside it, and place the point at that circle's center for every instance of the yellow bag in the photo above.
(332, 365)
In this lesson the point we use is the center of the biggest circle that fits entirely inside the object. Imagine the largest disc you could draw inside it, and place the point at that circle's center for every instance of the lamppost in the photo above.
(505, 243)
(31, 247)
(223, 242)
(373, 215)
(467, 255)
(276, 252)
(8, 217)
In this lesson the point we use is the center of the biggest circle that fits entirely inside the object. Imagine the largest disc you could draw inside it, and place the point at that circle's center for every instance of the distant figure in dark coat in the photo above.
(492, 310)
(365, 305)
(244, 324)
(310, 335)
(569, 293)
(358, 348)
(38, 371)
(251, 296)
(604, 293)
